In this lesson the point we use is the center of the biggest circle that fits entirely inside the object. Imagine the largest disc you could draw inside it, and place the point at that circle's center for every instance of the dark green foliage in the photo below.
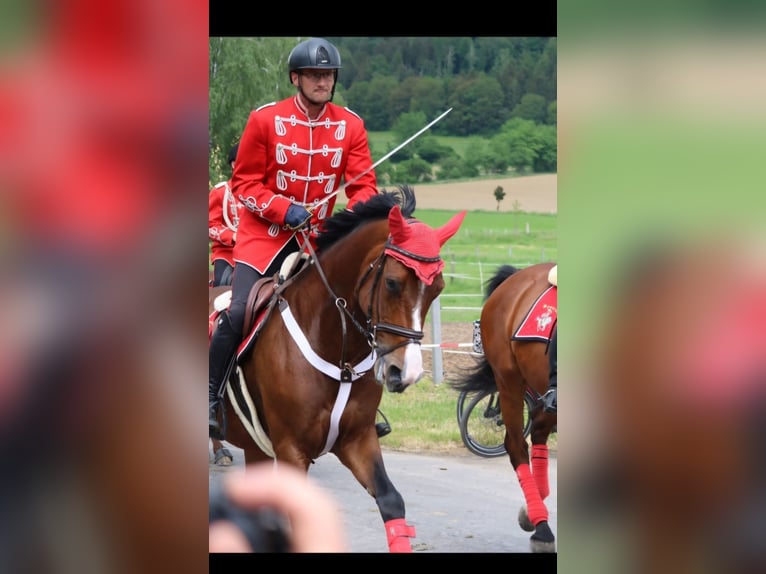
(402, 83)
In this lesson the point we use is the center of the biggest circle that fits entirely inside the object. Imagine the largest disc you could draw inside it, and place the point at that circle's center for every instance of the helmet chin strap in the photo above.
(334, 83)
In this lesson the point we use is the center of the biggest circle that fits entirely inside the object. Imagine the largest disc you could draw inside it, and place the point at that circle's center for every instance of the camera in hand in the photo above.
(265, 529)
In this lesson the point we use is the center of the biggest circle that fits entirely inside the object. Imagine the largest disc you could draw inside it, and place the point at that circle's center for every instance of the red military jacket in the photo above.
(221, 229)
(285, 158)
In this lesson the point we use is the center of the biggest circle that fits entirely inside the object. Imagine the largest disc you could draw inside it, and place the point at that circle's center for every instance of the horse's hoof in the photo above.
(540, 547)
(524, 521)
(542, 541)
(223, 457)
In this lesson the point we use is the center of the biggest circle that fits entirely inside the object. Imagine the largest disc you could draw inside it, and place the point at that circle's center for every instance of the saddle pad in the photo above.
(538, 323)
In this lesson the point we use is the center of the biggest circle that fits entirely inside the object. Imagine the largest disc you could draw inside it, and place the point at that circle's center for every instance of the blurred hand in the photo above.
(314, 516)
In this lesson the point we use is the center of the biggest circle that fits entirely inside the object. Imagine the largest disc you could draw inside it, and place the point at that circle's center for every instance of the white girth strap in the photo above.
(328, 369)
(255, 430)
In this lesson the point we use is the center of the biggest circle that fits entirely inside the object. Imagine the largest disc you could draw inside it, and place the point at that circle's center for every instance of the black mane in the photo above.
(377, 207)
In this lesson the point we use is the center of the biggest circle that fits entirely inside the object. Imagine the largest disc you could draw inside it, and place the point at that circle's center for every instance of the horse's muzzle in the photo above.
(390, 375)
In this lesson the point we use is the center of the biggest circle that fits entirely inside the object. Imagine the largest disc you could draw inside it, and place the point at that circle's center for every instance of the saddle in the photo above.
(263, 297)
(260, 301)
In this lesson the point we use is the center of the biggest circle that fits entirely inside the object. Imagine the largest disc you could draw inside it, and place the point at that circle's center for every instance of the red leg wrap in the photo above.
(536, 509)
(540, 469)
(399, 533)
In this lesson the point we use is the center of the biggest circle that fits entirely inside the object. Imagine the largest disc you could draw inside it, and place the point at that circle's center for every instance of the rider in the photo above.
(549, 398)
(223, 217)
(293, 154)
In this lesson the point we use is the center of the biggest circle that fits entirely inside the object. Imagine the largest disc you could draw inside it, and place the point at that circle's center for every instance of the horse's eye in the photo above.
(393, 286)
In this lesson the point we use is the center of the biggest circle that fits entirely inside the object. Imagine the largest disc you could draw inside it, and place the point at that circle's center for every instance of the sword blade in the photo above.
(381, 160)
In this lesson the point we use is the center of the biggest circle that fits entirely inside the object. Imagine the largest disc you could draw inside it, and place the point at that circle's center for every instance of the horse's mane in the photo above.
(377, 207)
(502, 273)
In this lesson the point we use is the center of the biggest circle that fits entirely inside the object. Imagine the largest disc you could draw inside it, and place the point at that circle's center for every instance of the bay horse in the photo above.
(336, 332)
(512, 363)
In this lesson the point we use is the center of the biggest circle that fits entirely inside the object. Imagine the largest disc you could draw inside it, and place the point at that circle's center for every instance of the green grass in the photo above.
(422, 418)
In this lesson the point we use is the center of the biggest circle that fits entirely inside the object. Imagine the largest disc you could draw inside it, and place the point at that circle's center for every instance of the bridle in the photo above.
(370, 329)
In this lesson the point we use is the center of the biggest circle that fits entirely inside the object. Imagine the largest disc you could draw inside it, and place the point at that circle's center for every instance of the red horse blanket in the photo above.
(540, 319)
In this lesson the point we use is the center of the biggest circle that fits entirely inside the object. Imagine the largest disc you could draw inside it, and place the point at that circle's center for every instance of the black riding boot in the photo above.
(550, 399)
(223, 346)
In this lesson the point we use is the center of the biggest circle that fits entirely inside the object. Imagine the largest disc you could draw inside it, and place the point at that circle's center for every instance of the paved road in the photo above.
(457, 503)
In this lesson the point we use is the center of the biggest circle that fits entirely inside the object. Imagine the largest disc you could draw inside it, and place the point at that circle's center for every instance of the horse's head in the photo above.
(408, 279)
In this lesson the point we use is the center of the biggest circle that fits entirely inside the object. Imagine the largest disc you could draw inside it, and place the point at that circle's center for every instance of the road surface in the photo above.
(457, 503)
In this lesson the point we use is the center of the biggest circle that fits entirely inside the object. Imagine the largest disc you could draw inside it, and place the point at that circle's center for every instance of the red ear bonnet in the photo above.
(416, 245)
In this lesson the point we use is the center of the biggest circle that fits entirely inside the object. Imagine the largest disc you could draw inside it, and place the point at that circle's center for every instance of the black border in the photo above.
(227, 18)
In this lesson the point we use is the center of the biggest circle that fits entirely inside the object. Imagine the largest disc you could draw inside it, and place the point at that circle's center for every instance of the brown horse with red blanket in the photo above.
(517, 320)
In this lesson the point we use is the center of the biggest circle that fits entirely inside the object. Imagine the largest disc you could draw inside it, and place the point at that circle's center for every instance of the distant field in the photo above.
(381, 142)
(534, 193)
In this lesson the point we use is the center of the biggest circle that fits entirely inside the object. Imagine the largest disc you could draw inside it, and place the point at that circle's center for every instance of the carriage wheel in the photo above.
(481, 426)
(481, 423)
(461, 401)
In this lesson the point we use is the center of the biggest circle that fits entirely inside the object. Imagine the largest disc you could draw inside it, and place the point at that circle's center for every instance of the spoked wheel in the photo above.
(462, 399)
(481, 426)
(481, 422)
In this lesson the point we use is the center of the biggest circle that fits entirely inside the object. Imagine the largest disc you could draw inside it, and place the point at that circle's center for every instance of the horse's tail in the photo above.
(502, 273)
(478, 378)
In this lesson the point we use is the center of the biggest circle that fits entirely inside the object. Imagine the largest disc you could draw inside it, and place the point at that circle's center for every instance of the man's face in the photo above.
(316, 85)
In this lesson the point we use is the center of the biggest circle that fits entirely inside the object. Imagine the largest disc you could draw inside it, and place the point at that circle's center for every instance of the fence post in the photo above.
(436, 335)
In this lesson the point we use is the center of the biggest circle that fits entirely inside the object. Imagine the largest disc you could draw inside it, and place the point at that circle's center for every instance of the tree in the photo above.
(499, 195)
(532, 107)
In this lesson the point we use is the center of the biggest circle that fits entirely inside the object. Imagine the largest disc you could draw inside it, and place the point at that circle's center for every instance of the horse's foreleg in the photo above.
(391, 506)
(540, 469)
(541, 428)
(534, 516)
(371, 473)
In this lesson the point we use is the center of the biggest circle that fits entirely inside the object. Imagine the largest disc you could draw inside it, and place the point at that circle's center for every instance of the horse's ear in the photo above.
(449, 229)
(400, 231)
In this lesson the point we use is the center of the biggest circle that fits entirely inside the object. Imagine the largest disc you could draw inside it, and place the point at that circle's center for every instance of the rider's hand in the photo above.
(296, 216)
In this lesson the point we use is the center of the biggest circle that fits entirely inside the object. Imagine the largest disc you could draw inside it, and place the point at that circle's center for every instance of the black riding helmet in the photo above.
(315, 53)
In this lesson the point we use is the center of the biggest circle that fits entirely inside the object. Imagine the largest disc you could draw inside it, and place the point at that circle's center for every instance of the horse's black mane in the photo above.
(377, 207)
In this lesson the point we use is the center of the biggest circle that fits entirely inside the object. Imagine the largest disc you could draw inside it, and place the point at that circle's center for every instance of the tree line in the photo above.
(502, 92)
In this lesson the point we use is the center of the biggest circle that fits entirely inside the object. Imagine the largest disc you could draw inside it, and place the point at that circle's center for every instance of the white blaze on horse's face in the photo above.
(400, 361)
(416, 246)
(412, 370)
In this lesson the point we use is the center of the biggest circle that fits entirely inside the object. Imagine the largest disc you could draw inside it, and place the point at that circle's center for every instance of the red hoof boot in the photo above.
(399, 534)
